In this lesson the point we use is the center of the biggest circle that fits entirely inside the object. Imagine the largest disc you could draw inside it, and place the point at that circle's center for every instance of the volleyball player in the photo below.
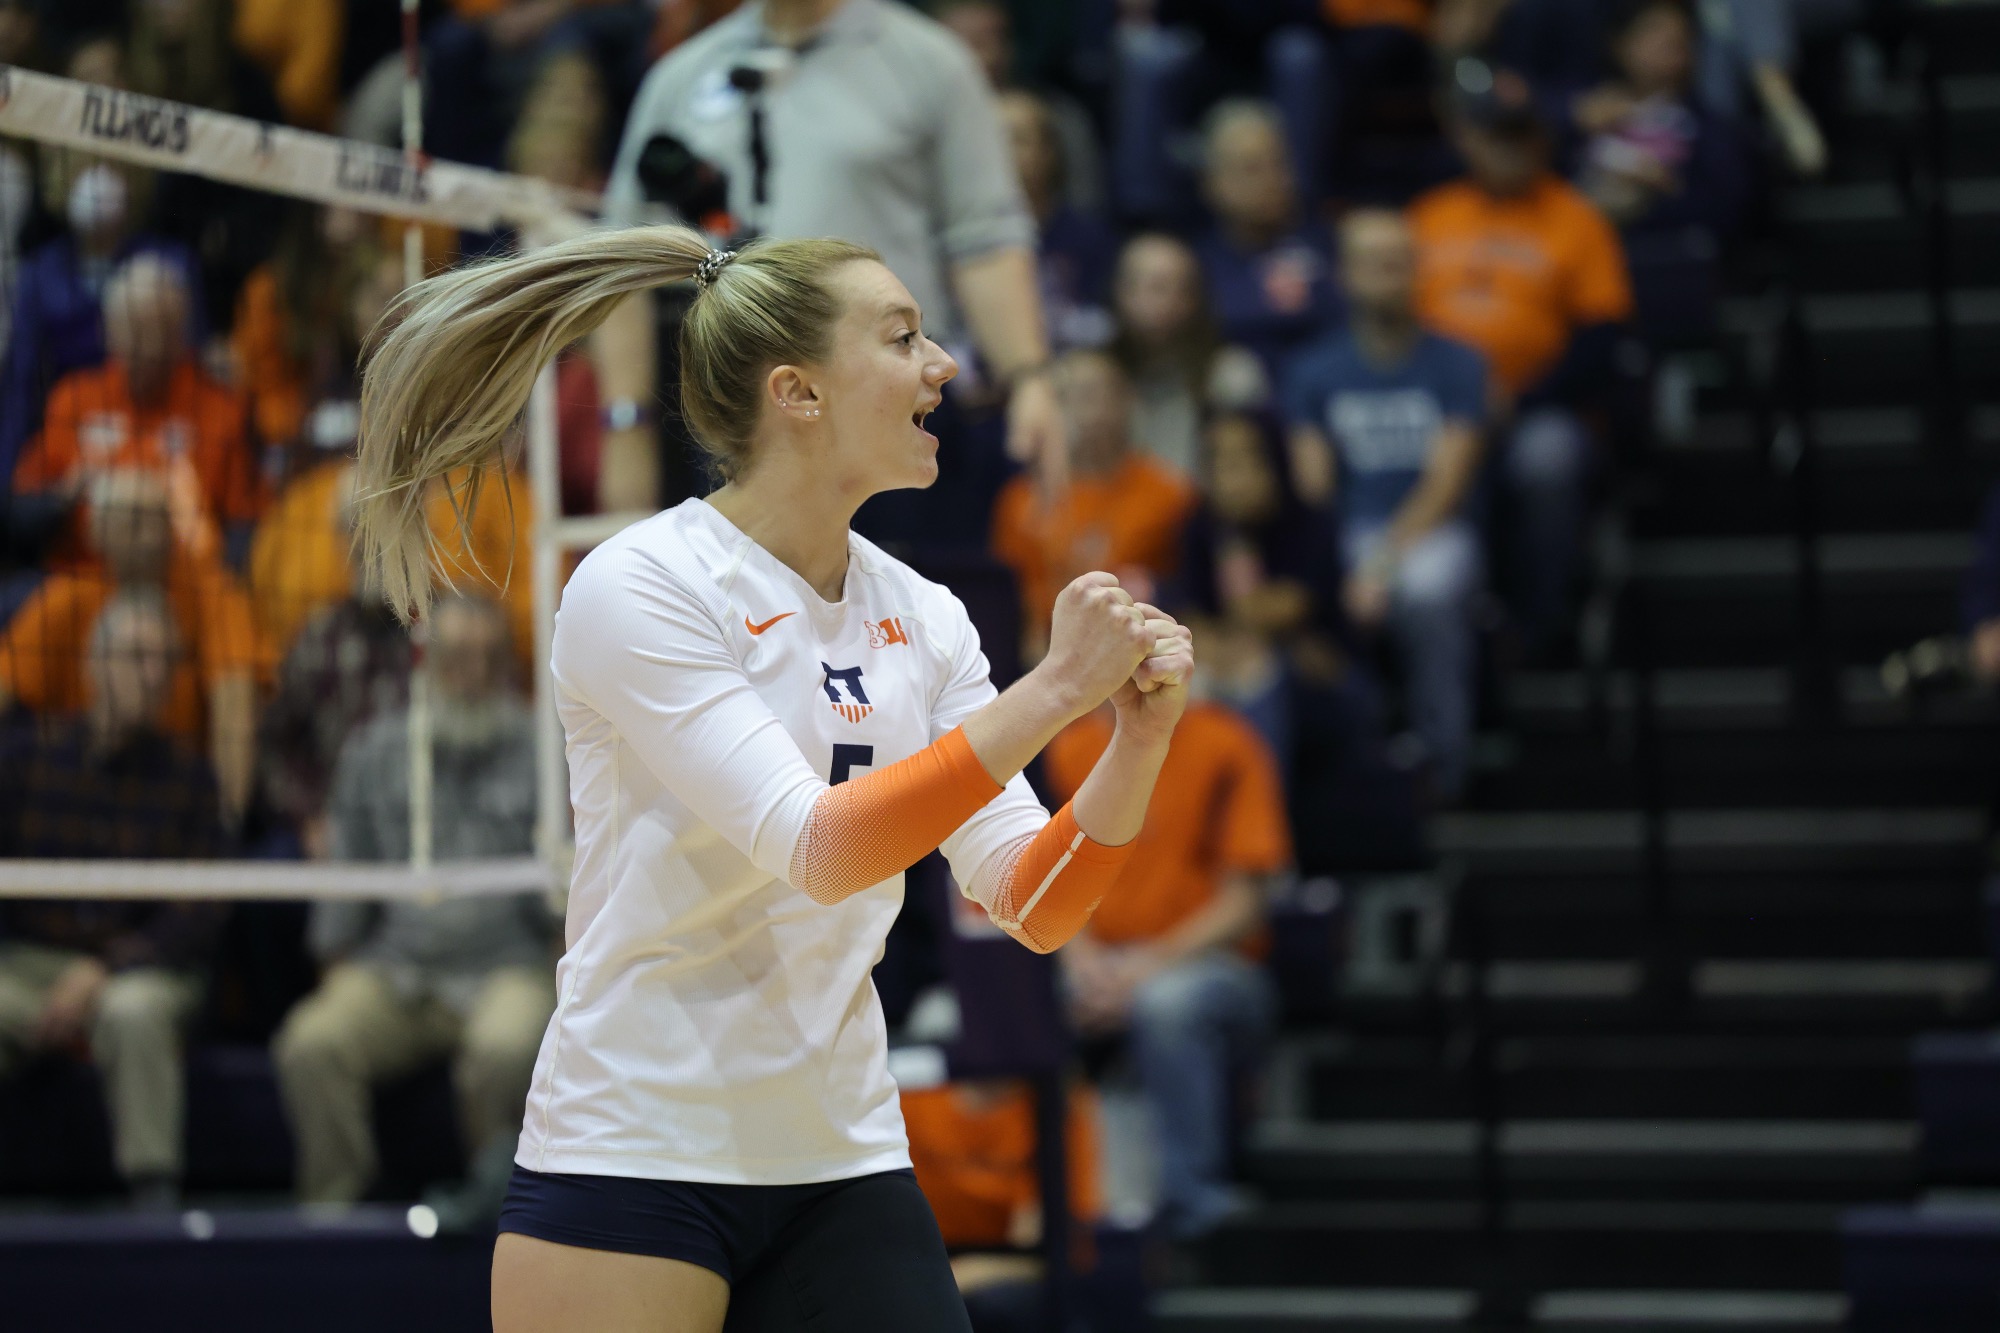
(768, 720)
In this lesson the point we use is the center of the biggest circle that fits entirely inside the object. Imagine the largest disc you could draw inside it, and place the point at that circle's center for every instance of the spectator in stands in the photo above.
(300, 318)
(1169, 956)
(1515, 262)
(560, 139)
(297, 44)
(923, 178)
(299, 554)
(181, 50)
(1270, 275)
(972, 1144)
(483, 57)
(211, 691)
(1077, 249)
(1173, 55)
(58, 322)
(1167, 342)
(1980, 597)
(408, 982)
(116, 979)
(1264, 571)
(1669, 173)
(348, 664)
(987, 30)
(1387, 421)
(152, 405)
(1117, 510)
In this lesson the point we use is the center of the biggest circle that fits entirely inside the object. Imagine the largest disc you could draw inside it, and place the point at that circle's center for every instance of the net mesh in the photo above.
(198, 696)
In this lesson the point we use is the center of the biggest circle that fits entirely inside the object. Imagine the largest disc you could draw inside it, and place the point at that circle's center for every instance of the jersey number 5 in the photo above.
(847, 758)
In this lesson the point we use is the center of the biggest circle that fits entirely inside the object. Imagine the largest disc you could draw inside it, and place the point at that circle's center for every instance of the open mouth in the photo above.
(917, 417)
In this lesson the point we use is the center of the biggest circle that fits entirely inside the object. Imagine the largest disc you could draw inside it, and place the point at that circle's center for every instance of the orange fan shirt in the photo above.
(1218, 809)
(1131, 515)
(194, 435)
(973, 1147)
(1515, 277)
(44, 650)
(299, 555)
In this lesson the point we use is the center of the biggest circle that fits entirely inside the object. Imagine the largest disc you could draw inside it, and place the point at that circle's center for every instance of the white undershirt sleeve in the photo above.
(637, 645)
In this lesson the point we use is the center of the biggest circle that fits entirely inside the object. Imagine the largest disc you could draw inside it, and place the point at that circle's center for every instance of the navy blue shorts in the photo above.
(863, 1254)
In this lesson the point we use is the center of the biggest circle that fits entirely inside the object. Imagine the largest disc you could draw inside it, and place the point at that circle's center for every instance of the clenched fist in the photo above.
(1098, 637)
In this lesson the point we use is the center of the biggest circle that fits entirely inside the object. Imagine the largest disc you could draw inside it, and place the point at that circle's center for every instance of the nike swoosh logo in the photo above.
(759, 629)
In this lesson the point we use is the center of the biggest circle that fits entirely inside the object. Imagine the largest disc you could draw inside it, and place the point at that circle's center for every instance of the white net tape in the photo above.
(173, 136)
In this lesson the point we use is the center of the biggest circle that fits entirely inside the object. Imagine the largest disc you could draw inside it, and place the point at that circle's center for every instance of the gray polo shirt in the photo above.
(881, 131)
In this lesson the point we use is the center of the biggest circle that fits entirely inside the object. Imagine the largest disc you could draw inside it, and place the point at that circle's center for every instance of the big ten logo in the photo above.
(889, 632)
(844, 692)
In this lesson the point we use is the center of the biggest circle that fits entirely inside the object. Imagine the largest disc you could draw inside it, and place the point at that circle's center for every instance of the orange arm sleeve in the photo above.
(1050, 883)
(871, 827)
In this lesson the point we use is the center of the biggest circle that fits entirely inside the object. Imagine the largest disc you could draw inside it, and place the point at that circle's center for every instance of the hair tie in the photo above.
(710, 267)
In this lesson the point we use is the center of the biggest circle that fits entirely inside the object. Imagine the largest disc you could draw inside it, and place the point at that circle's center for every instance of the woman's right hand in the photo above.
(1097, 639)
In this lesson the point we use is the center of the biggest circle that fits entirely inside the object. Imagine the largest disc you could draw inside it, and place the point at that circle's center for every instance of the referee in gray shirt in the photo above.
(877, 126)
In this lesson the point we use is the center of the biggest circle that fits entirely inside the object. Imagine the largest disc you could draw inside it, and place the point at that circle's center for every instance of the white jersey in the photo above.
(713, 1023)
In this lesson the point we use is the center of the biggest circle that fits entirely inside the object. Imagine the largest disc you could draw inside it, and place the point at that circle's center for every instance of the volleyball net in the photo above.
(201, 699)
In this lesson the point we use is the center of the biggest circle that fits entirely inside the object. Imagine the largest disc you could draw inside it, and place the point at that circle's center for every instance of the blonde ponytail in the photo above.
(450, 367)
(449, 370)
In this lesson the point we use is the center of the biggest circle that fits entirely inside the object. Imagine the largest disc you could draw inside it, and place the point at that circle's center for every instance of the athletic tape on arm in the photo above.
(173, 136)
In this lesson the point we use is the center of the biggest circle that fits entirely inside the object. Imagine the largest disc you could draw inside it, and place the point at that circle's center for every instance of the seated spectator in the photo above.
(1166, 340)
(297, 44)
(181, 50)
(973, 1147)
(1979, 600)
(1118, 510)
(988, 29)
(481, 61)
(1264, 571)
(116, 980)
(299, 558)
(347, 664)
(1174, 56)
(1270, 275)
(299, 561)
(300, 320)
(1514, 261)
(1670, 175)
(58, 319)
(408, 982)
(1077, 249)
(560, 139)
(151, 406)
(210, 695)
(1387, 420)
(1169, 957)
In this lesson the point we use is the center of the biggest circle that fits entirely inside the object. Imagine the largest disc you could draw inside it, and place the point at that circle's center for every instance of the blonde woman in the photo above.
(768, 719)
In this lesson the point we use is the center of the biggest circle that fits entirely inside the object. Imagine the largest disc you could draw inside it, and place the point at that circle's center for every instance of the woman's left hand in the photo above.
(1151, 702)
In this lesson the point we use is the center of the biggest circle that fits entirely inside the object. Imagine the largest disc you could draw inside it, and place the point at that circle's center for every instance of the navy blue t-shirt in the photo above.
(1276, 300)
(1382, 420)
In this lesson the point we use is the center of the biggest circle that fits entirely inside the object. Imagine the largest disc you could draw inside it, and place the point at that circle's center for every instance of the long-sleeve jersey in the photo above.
(716, 1020)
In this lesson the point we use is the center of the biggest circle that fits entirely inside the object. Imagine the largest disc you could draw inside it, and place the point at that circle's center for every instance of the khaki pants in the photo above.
(135, 1039)
(356, 1031)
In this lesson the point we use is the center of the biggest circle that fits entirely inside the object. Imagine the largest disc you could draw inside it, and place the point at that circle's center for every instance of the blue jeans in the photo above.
(1193, 1025)
(1431, 618)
